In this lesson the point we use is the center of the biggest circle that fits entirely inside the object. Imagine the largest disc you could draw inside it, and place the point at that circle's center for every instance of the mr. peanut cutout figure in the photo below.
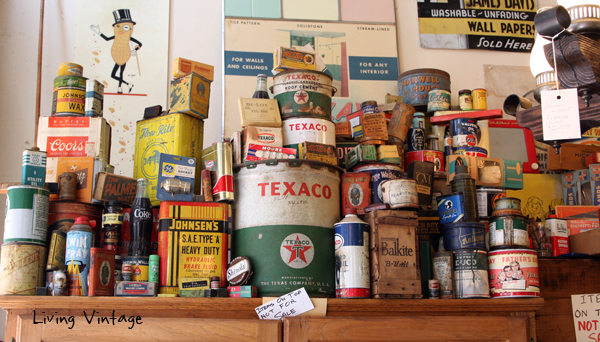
(121, 51)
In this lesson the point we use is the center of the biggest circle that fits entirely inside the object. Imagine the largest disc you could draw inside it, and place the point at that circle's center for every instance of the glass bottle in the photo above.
(141, 222)
(261, 87)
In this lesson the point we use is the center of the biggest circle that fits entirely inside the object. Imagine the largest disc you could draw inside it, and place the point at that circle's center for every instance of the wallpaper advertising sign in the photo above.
(361, 58)
(500, 25)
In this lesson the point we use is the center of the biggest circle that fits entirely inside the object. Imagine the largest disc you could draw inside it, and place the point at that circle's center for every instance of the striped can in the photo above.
(34, 167)
(514, 273)
(77, 258)
(352, 276)
(22, 268)
(26, 214)
(303, 92)
(68, 98)
(470, 273)
(94, 98)
(285, 213)
(70, 69)
(297, 130)
(218, 160)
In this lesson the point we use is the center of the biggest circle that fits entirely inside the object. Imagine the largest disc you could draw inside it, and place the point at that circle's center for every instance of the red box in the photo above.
(560, 245)
(102, 272)
(593, 158)
(577, 212)
(579, 226)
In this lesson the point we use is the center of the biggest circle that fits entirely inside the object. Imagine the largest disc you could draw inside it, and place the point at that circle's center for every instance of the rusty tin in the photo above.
(56, 254)
(218, 159)
(400, 193)
(356, 191)
(400, 122)
(67, 186)
(22, 268)
(374, 127)
(414, 85)
(102, 272)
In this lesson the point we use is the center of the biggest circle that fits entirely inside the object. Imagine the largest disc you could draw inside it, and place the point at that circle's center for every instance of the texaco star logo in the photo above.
(301, 97)
(297, 251)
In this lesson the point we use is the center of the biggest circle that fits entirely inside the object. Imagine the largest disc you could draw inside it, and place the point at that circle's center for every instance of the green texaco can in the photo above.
(303, 92)
(26, 214)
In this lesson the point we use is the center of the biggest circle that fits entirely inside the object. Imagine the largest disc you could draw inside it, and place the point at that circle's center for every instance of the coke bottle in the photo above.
(261, 87)
(141, 222)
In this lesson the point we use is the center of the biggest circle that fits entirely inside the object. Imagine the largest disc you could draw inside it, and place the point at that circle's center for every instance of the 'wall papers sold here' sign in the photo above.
(586, 316)
(501, 25)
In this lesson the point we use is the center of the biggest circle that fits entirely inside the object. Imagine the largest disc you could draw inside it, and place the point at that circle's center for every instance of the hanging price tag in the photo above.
(560, 114)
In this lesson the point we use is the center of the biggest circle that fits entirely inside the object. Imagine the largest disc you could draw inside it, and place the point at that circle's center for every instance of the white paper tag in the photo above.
(586, 311)
(560, 114)
(288, 305)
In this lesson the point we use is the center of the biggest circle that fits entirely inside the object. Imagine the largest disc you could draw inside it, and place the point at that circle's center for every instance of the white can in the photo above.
(400, 193)
(26, 214)
(352, 273)
(300, 129)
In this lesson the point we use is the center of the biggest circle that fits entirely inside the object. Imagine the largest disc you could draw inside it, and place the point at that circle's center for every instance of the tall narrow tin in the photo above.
(352, 276)
(34, 167)
(218, 159)
(77, 257)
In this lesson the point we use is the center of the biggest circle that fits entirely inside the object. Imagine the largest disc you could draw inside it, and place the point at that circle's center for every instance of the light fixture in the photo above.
(543, 72)
(585, 17)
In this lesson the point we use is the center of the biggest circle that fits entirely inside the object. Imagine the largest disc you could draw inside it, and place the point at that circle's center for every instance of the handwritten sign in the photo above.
(586, 316)
(560, 114)
(288, 305)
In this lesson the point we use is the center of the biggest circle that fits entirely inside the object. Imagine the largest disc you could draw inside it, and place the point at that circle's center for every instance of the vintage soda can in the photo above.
(94, 98)
(139, 267)
(479, 99)
(26, 218)
(451, 208)
(434, 289)
(22, 268)
(70, 69)
(400, 193)
(102, 272)
(60, 283)
(437, 100)
(470, 273)
(356, 191)
(352, 267)
(514, 273)
(57, 250)
(34, 167)
(77, 256)
(379, 174)
(442, 271)
(218, 159)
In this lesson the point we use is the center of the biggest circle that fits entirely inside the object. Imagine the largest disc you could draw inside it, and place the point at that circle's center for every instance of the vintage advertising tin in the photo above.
(479, 99)
(317, 152)
(508, 231)
(343, 148)
(34, 167)
(442, 271)
(135, 289)
(472, 151)
(70, 69)
(464, 132)
(464, 235)
(60, 283)
(374, 126)
(514, 273)
(296, 130)
(451, 208)
(303, 92)
(368, 107)
(379, 173)
(190, 95)
(356, 191)
(465, 100)
(437, 100)
(77, 257)
(436, 157)
(26, 217)
(67, 186)
(285, 59)
(400, 122)
(102, 272)
(289, 247)
(508, 203)
(177, 134)
(94, 98)
(56, 253)
(127, 272)
(193, 242)
(389, 154)
(416, 139)
(352, 276)
(400, 193)
(22, 268)
(414, 85)
(68, 98)
(486, 198)
(218, 159)
(139, 267)
(434, 289)
(470, 273)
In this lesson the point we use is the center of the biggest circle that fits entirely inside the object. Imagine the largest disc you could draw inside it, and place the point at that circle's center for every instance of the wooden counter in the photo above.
(21, 310)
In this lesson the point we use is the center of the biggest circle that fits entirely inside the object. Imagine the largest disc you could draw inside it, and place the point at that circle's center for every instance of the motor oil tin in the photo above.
(26, 214)
(352, 279)
(34, 168)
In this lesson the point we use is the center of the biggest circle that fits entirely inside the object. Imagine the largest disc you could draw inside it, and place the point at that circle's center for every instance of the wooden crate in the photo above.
(395, 268)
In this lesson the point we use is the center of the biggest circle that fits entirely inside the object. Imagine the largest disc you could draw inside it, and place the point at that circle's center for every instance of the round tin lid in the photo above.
(239, 271)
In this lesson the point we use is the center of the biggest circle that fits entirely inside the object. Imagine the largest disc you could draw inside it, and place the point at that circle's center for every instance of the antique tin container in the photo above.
(414, 85)
(343, 148)
(68, 98)
(56, 254)
(62, 215)
(26, 214)
(70, 69)
(22, 268)
(472, 151)
(317, 152)
(190, 95)
(438, 100)
(368, 107)
(303, 92)
(379, 173)
(436, 157)
(470, 273)
(400, 122)
(374, 127)
(34, 167)
(416, 139)
(67, 186)
(177, 134)
(486, 198)
(479, 99)
(139, 267)
(400, 193)
(451, 208)
(135, 289)
(465, 100)
(297, 130)
(508, 231)
(356, 191)
(352, 276)
(285, 213)
(434, 289)
(464, 132)
(77, 257)
(464, 235)
(508, 203)
(442, 271)
(514, 273)
(218, 160)
(102, 272)
(193, 242)
(94, 98)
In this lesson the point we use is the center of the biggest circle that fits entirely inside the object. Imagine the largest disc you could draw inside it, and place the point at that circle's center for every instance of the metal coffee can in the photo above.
(34, 167)
(479, 99)
(60, 283)
(438, 99)
(434, 289)
(67, 184)
(352, 268)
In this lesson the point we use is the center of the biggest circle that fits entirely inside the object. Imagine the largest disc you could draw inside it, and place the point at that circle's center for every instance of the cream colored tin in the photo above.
(400, 193)
(22, 268)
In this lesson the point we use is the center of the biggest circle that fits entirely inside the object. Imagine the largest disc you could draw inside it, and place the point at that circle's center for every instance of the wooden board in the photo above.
(478, 115)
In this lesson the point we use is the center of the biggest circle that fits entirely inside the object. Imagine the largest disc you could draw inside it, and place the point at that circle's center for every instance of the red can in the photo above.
(356, 191)
(126, 237)
(102, 272)
(436, 157)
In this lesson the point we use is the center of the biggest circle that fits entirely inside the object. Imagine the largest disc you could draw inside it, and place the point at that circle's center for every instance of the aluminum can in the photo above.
(22, 268)
(34, 168)
(218, 159)
(26, 217)
(470, 273)
(352, 267)
(379, 174)
(56, 254)
(297, 130)
(479, 99)
(442, 271)
(514, 273)
(400, 193)
(77, 257)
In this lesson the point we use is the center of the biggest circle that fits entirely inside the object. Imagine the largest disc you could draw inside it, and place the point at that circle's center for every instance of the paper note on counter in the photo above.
(289, 305)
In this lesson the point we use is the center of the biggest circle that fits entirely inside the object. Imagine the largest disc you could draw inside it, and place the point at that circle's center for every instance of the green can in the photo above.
(26, 214)
(303, 92)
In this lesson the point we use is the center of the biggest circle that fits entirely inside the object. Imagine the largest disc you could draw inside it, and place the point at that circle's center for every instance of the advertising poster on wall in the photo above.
(361, 58)
(500, 25)
(125, 45)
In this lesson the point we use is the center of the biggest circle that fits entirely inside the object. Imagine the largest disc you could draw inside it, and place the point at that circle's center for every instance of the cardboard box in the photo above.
(265, 136)
(70, 136)
(343, 148)
(422, 172)
(182, 67)
(177, 134)
(580, 226)
(388, 154)
(489, 171)
(285, 59)
(262, 152)
(179, 170)
(135, 289)
(573, 212)
(86, 169)
(259, 112)
(190, 95)
(317, 152)
(360, 154)
(571, 157)
(594, 176)
(570, 189)
(343, 130)
(110, 187)
(586, 242)
(245, 291)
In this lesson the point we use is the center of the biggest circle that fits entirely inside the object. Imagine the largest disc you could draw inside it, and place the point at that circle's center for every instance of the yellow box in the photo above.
(177, 134)
(388, 154)
(259, 112)
(190, 95)
(182, 67)
(318, 152)
(285, 59)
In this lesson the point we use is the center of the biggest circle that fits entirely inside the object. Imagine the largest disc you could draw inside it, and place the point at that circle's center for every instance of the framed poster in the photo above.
(125, 46)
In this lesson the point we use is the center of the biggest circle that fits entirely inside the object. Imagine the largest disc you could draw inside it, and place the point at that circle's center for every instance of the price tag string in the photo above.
(556, 66)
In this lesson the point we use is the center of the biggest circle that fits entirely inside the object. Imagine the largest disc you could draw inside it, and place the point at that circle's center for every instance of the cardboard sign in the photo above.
(586, 314)
(289, 305)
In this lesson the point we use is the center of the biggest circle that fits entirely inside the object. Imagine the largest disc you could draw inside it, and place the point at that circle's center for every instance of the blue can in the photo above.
(451, 208)
(418, 120)
(77, 256)
(448, 149)
(464, 132)
(464, 235)
(379, 173)
(352, 273)
(416, 139)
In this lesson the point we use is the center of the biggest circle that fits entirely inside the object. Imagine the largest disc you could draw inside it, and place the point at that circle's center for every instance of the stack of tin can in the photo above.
(75, 95)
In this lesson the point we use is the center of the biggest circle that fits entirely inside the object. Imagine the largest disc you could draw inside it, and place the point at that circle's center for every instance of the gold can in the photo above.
(479, 99)
(70, 69)
(56, 254)
(22, 268)
(67, 186)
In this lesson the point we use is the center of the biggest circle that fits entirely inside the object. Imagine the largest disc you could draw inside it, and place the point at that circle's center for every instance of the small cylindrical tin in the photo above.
(368, 107)
(486, 198)
(60, 283)
(34, 167)
(153, 269)
(379, 173)
(433, 142)
(94, 98)
(438, 99)
(434, 289)
(67, 184)
(514, 273)
(451, 208)
(356, 191)
(479, 99)
(416, 139)
(215, 282)
(139, 267)
(472, 151)
(464, 132)
(118, 268)
(442, 271)
(400, 193)
(57, 250)
(352, 267)
(508, 203)
(509, 231)
(68, 98)
(77, 256)
(465, 100)
(470, 273)
(126, 272)
(70, 69)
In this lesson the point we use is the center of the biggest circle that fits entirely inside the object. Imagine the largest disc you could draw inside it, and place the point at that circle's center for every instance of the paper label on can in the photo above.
(297, 250)
(451, 210)
(471, 274)
(514, 273)
(352, 273)
(442, 271)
